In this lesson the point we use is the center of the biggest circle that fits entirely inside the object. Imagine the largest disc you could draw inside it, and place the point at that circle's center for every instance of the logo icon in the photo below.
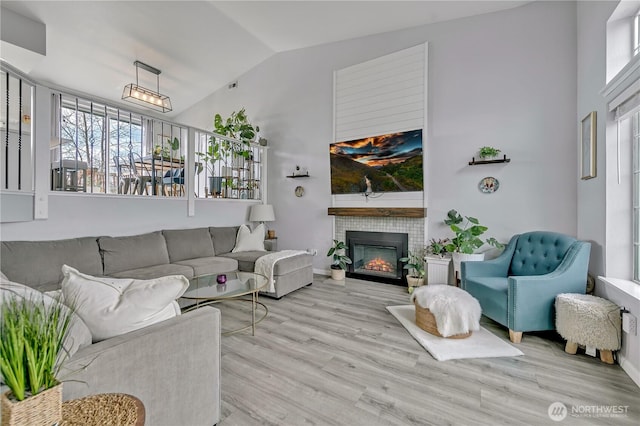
(557, 411)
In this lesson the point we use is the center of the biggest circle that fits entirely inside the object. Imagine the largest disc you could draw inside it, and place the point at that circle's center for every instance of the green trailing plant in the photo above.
(489, 152)
(31, 339)
(337, 253)
(415, 262)
(467, 232)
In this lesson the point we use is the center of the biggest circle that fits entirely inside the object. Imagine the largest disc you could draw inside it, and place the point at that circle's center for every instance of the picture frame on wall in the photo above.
(588, 146)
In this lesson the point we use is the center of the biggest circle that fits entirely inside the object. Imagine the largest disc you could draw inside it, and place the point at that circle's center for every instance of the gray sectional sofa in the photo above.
(188, 252)
(172, 366)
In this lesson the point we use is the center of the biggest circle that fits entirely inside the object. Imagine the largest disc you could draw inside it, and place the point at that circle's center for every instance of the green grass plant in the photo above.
(32, 334)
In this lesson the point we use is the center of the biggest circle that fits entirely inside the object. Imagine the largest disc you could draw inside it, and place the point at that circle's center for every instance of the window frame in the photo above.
(635, 188)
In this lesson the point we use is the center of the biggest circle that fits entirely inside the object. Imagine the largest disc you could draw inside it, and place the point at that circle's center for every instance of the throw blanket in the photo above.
(265, 264)
(455, 310)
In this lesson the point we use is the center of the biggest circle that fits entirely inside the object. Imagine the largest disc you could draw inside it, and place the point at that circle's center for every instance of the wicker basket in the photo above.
(426, 321)
(43, 409)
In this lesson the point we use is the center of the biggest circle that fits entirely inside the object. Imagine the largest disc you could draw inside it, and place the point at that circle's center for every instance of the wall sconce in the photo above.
(137, 94)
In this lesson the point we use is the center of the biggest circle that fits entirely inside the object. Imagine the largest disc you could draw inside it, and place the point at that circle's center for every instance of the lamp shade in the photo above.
(262, 213)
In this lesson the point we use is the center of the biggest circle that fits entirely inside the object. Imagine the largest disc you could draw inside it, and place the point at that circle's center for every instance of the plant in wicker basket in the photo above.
(32, 334)
(415, 264)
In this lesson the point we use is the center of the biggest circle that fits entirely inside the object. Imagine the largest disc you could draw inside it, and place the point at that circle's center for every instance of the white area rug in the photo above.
(481, 344)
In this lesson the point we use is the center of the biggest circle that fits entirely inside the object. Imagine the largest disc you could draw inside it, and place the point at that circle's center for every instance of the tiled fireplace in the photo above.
(413, 227)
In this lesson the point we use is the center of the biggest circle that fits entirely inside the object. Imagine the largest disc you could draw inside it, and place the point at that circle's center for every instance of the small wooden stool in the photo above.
(582, 319)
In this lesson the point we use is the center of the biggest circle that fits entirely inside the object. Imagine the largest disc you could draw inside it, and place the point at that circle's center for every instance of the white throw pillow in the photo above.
(78, 334)
(246, 240)
(114, 306)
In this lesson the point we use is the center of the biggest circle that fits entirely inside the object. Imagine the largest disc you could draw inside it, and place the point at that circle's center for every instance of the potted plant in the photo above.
(488, 152)
(169, 150)
(237, 126)
(467, 239)
(438, 248)
(415, 265)
(31, 349)
(217, 150)
(340, 260)
(437, 260)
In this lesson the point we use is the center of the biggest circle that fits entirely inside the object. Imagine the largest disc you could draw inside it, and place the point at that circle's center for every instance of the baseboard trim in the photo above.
(630, 369)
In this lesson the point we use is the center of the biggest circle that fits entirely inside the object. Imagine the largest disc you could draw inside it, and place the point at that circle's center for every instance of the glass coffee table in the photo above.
(205, 290)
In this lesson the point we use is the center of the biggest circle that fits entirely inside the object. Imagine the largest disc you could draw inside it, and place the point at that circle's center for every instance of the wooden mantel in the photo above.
(416, 212)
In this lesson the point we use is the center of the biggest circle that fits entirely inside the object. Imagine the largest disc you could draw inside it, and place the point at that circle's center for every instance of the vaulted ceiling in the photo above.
(201, 46)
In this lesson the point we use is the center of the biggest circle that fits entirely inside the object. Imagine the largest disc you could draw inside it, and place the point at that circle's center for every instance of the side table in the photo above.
(117, 409)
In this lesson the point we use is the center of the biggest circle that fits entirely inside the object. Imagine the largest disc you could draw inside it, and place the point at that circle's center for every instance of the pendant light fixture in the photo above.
(146, 97)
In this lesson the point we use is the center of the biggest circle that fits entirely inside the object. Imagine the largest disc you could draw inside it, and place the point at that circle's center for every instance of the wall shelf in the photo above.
(299, 176)
(473, 161)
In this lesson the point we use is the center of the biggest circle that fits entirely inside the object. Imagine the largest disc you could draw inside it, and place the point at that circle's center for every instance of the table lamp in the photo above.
(263, 213)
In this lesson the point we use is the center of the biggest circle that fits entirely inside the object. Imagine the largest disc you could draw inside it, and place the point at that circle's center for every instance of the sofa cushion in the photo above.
(210, 265)
(38, 264)
(224, 238)
(248, 240)
(133, 252)
(155, 271)
(188, 243)
(112, 306)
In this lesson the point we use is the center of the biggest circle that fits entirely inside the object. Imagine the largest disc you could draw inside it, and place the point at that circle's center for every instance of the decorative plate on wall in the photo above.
(488, 185)
(299, 191)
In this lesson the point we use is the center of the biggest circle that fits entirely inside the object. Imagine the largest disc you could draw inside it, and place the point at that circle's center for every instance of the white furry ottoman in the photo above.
(587, 320)
(455, 312)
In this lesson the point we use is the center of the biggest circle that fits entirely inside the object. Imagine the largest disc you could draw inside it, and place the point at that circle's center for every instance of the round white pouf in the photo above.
(587, 320)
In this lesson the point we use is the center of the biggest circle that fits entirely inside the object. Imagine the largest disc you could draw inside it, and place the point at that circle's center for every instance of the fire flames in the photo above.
(379, 264)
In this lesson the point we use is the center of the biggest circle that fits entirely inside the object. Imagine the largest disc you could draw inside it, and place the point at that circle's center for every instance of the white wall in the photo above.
(505, 79)
(591, 48)
(76, 215)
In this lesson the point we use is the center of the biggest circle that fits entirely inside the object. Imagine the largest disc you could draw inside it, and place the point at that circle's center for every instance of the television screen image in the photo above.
(385, 163)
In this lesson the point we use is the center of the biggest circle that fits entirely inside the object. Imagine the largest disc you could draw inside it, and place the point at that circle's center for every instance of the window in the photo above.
(105, 150)
(101, 149)
(16, 170)
(636, 33)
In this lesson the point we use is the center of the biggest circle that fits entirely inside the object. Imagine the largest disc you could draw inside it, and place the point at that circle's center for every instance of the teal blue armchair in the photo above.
(518, 288)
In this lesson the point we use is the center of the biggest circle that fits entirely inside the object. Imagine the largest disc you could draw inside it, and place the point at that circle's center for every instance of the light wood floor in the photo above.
(332, 355)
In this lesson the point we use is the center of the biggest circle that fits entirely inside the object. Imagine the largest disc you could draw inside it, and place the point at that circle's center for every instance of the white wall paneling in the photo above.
(377, 97)
(382, 95)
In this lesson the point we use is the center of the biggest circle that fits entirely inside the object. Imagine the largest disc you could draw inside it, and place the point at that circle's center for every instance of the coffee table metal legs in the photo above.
(254, 304)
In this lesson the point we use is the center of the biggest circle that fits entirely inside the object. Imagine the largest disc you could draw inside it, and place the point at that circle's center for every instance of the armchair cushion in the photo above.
(538, 253)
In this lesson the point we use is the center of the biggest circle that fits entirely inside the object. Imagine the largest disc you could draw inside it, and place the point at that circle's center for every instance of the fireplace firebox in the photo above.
(376, 256)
